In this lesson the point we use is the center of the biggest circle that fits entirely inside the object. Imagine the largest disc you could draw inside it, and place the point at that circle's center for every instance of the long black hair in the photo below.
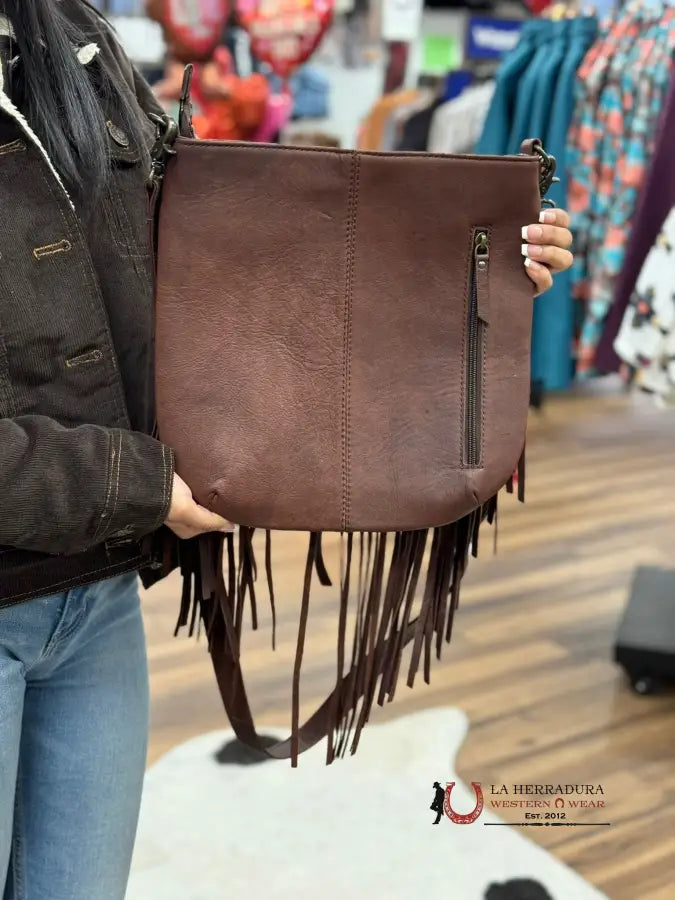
(59, 96)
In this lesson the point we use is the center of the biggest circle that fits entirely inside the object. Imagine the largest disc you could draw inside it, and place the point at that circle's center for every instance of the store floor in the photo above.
(530, 663)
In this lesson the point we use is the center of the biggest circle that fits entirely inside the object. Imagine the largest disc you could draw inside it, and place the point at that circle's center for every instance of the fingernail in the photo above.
(531, 250)
(547, 216)
(532, 265)
(532, 233)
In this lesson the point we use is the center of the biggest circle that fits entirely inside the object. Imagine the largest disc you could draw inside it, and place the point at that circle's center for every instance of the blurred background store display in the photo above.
(590, 79)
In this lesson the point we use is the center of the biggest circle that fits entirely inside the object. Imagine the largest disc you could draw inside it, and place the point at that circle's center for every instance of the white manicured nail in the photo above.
(524, 232)
(523, 250)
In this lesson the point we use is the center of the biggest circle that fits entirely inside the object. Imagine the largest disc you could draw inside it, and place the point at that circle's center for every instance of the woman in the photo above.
(83, 481)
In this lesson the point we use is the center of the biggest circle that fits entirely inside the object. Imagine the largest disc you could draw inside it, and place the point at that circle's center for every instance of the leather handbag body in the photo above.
(342, 345)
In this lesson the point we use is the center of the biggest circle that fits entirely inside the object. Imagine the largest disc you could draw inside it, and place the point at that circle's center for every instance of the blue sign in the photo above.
(490, 39)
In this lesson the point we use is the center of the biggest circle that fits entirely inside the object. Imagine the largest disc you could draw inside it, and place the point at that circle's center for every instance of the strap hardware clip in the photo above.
(162, 150)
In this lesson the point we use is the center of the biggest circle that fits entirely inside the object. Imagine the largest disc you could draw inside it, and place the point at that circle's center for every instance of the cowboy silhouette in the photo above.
(437, 805)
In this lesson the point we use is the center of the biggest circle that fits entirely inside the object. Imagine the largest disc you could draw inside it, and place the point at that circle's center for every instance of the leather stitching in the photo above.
(347, 341)
(371, 154)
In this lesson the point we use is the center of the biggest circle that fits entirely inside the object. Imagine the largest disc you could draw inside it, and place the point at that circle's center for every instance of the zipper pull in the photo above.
(481, 258)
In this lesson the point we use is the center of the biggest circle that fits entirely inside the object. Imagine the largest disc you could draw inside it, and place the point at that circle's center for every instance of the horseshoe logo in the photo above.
(461, 818)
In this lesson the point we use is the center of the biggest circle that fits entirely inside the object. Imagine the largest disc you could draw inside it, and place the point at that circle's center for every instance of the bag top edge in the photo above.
(399, 154)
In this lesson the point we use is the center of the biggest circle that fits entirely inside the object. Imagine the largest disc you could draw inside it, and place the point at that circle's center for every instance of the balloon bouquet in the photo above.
(283, 34)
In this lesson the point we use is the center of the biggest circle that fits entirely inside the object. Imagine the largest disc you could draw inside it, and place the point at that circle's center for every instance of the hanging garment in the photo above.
(238, 42)
(582, 37)
(646, 339)
(396, 123)
(415, 132)
(397, 62)
(310, 90)
(528, 88)
(656, 199)
(553, 323)
(456, 82)
(372, 131)
(311, 95)
(495, 137)
(625, 160)
(547, 79)
(620, 98)
(583, 141)
(457, 124)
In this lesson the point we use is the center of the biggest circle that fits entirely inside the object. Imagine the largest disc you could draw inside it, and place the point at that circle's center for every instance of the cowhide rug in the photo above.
(217, 823)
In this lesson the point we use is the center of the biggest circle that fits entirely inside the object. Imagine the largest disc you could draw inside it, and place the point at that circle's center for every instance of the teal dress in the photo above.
(495, 137)
(553, 323)
(530, 86)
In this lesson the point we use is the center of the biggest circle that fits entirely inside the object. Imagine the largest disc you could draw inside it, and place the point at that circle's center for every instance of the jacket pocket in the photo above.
(127, 218)
(477, 322)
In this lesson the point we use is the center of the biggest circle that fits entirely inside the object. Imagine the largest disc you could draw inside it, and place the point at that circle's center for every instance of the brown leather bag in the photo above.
(342, 345)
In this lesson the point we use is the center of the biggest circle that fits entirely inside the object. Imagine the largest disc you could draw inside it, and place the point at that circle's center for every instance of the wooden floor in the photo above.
(530, 662)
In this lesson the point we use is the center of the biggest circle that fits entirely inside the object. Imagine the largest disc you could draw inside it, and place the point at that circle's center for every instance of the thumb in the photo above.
(205, 520)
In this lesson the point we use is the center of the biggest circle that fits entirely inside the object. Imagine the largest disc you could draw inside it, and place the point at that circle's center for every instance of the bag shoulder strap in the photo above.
(185, 126)
(383, 624)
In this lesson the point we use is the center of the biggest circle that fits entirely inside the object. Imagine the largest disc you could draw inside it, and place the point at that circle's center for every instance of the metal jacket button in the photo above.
(119, 136)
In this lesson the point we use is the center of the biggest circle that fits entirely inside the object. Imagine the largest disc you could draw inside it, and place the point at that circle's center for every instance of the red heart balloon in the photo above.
(192, 28)
(285, 33)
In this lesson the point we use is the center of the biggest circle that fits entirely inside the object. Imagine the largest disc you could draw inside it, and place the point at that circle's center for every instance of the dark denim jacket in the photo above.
(82, 480)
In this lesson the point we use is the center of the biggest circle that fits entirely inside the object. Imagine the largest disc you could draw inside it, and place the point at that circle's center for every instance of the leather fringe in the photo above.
(518, 478)
(381, 597)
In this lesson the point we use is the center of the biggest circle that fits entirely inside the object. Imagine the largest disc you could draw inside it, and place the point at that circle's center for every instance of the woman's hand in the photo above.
(187, 518)
(546, 247)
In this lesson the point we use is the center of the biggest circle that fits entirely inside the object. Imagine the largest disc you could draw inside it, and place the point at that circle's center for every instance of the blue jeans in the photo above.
(73, 740)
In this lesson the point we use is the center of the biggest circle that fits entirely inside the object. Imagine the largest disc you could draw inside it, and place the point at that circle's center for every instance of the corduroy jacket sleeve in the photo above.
(64, 490)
